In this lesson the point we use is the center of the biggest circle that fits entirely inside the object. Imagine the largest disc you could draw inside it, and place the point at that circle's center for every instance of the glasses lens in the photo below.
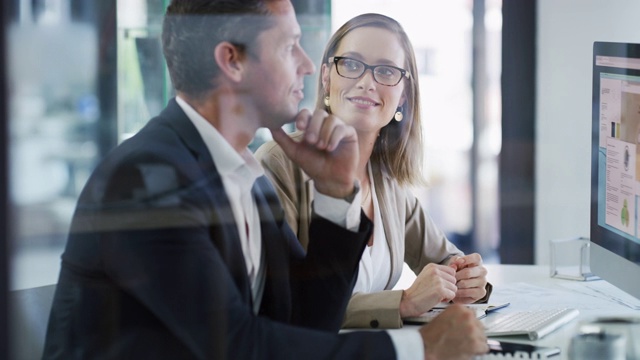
(387, 75)
(353, 69)
(350, 68)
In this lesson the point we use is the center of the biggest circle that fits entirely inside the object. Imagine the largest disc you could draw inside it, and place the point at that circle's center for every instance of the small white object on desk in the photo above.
(570, 259)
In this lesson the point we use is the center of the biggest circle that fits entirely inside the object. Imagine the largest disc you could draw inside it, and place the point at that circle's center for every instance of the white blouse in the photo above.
(375, 264)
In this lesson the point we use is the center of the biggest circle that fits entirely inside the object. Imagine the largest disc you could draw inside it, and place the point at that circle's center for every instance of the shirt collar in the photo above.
(227, 160)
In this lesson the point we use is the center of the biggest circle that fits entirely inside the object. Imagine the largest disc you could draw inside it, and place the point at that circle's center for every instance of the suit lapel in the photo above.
(278, 243)
(223, 229)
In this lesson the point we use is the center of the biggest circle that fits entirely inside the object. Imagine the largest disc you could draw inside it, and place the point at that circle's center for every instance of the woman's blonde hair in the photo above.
(398, 148)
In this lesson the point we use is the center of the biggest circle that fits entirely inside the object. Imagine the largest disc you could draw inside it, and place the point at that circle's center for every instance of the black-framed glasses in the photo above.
(387, 75)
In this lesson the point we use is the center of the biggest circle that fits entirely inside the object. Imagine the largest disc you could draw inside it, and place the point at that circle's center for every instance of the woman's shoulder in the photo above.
(272, 149)
(274, 160)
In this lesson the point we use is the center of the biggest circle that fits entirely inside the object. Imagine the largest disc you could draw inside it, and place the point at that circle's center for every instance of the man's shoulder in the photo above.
(151, 144)
(158, 157)
(165, 136)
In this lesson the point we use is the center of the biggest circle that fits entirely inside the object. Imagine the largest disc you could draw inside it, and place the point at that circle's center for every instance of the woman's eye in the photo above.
(351, 65)
(385, 71)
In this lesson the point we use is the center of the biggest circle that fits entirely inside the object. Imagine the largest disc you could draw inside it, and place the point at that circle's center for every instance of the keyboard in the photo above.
(534, 324)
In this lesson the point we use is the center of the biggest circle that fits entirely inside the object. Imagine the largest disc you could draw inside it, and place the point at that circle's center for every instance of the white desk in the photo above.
(529, 287)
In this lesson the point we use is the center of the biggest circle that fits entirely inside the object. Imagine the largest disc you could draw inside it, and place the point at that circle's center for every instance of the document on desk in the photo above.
(591, 297)
(480, 310)
(606, 291)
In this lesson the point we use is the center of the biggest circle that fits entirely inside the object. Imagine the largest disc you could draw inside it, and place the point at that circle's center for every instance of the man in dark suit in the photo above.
(178, 248)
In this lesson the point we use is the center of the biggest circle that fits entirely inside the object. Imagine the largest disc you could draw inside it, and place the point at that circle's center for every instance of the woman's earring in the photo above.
(326, 101)
(398, 116)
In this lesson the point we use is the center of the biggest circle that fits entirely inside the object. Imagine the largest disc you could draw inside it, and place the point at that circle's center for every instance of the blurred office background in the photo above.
(84, 75)
(62, 109)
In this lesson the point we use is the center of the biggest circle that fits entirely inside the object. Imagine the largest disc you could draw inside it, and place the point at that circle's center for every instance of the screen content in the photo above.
(620, 120)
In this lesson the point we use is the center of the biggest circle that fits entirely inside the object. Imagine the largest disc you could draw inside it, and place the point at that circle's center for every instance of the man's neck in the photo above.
(228, 115)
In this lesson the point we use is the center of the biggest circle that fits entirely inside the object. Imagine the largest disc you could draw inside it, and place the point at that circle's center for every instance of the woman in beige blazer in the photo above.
(383, 105)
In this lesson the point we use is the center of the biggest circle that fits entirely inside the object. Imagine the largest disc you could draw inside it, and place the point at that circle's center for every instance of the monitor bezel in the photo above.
(608, 249)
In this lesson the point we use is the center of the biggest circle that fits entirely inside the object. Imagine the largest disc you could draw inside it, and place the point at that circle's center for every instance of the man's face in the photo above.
(276, 75)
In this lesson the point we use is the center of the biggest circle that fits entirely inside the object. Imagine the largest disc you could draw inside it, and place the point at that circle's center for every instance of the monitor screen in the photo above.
(615, 165)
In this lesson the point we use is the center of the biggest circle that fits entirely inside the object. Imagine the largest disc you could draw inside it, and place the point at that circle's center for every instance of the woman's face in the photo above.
(364, 103)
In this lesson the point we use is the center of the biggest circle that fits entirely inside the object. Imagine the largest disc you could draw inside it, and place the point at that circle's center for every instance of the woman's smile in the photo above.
(363, 102)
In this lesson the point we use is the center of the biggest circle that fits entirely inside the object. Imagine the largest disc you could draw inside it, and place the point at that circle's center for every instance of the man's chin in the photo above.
(286, 118)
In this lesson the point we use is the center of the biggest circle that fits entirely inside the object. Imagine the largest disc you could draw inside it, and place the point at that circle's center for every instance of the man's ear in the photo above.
(229, 60)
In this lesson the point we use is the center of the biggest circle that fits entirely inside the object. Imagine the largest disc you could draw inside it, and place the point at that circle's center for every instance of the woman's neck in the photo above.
(366, 141)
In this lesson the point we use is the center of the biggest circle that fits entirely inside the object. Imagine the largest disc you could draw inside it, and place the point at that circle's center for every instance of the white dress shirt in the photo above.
(238, 173)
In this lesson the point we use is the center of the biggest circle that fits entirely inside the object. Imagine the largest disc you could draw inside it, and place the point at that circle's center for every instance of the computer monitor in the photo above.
(615, 165)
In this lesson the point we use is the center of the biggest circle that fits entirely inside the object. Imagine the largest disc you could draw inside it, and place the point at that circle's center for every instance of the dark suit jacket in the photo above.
(153, 267)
